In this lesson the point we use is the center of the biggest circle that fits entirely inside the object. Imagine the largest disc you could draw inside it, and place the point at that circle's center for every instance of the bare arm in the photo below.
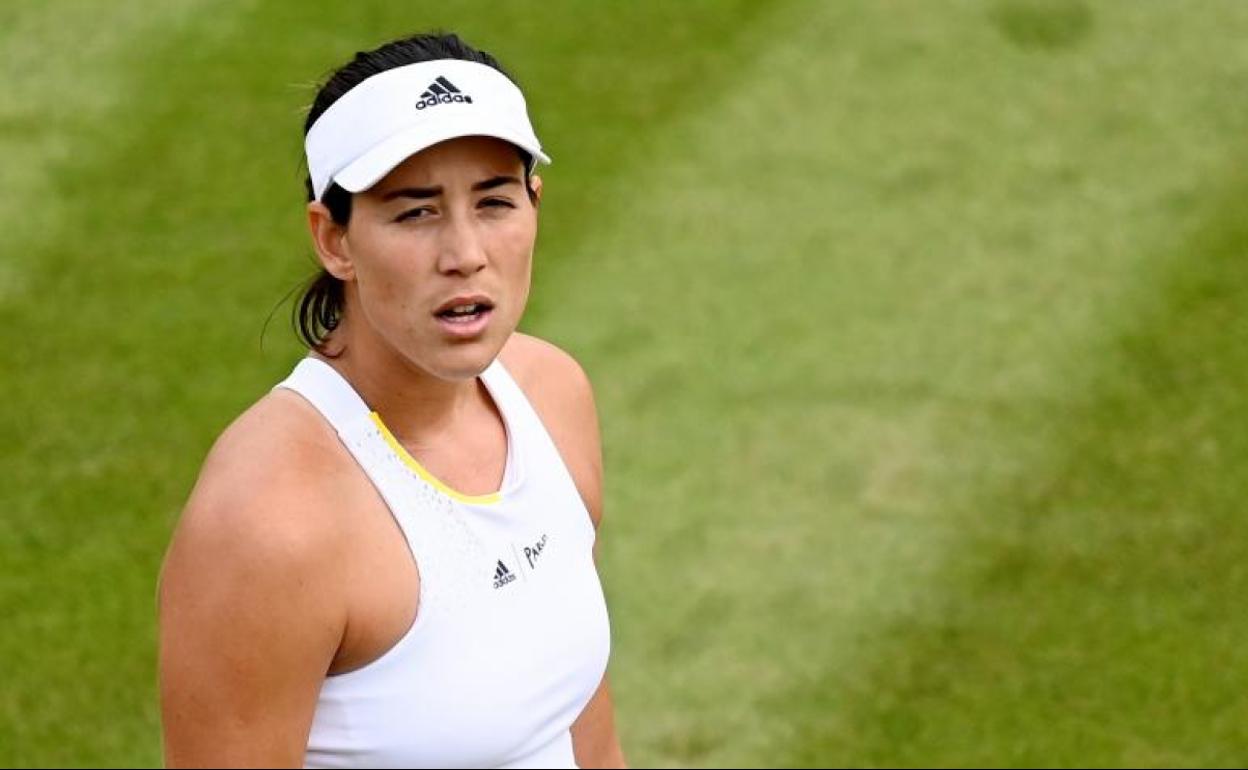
(249, 622)
(594, 739)
(561, 392)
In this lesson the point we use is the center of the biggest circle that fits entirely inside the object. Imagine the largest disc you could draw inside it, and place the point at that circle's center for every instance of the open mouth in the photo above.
(465, 313)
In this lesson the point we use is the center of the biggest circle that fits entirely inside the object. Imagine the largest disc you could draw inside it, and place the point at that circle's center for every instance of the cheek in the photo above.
(517, 269)
(517, 247)
(389, 281)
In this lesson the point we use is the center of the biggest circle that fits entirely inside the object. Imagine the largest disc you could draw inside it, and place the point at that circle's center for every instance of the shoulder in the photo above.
(555, 384)
(268, 473)
(263, 513)
(542, 369)
(560, 391)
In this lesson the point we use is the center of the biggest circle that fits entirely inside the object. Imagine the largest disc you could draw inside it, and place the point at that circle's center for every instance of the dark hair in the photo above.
(319, 309)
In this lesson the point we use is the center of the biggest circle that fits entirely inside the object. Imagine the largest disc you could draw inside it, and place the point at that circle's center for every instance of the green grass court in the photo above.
(918, 332)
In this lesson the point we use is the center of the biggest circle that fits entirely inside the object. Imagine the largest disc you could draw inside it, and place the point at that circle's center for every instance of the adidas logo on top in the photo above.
(441, 91)
(502, 575)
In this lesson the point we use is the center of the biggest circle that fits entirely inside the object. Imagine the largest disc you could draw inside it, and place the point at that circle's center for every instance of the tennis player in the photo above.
(387, 561)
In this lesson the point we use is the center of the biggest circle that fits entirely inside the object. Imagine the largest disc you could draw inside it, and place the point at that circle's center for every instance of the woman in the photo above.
(387, 560)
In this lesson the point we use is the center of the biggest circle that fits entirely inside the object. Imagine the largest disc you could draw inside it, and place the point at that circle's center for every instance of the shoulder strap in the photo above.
(506, 393)
(328, 391)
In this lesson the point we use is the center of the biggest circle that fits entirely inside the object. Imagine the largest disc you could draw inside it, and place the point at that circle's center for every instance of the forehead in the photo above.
(467, 157)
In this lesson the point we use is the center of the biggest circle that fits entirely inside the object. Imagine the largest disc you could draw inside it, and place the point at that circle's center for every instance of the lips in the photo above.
(465, 316)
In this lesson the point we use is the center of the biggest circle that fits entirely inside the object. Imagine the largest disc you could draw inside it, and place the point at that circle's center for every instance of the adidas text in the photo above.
(502, 575)
(433, 100)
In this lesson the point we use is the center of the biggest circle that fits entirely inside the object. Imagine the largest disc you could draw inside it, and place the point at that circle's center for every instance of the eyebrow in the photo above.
(433, 192)
(413, 192)
(497, 181)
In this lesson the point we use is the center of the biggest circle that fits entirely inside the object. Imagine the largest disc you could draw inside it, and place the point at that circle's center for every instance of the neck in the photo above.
(418, 407)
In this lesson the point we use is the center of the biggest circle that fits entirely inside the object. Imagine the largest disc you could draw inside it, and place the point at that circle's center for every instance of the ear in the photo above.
(535, 184)
(328, 238)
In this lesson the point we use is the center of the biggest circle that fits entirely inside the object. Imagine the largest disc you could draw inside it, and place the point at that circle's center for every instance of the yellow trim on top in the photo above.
(434, 481)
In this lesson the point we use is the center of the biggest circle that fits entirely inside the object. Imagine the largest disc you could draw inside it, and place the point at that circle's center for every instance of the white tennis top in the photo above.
(511, 635)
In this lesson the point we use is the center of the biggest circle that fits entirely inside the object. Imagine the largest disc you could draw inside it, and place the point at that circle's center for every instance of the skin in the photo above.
(286, 566)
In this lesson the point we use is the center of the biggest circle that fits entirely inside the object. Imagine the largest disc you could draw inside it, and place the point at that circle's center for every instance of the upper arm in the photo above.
(594, 739)
(249, 622)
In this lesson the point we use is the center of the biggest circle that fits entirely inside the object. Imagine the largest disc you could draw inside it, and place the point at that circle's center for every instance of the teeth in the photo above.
(466, 309)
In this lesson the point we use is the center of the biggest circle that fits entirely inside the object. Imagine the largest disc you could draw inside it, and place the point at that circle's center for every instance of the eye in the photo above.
(497, 203)
(417, 213)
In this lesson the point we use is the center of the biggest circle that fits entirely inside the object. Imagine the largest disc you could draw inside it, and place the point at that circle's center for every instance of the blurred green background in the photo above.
(917, 330)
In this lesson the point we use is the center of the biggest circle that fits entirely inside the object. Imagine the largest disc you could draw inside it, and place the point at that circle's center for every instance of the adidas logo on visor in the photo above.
(441, 91)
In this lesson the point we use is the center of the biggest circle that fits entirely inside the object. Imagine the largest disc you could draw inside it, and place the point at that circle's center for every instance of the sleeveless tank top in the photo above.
(511, 635)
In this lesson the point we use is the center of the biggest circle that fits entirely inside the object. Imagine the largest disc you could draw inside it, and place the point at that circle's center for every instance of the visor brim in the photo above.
(382, 158)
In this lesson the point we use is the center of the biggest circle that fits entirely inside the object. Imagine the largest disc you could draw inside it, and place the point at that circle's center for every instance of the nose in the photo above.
(460, 249)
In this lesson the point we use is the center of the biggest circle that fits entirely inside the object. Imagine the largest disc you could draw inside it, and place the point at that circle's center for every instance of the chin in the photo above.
(462, 361)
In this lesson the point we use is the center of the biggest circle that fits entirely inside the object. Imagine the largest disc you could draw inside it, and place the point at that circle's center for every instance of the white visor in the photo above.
(397, 113)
